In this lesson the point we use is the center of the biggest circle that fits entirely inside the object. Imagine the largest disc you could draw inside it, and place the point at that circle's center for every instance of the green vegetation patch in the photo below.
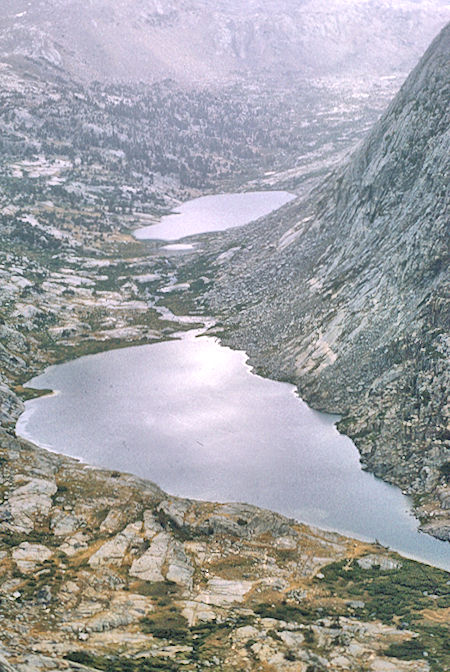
(410, 649)
(210, 639)
(155, 589)
(206, 639)
(166, 624)
(391, 593)
(121, 663)
(28, 393)
(445, 470)
(233, 566)
(12, 538)
(433, 644)
(287, 612)
(398, 596)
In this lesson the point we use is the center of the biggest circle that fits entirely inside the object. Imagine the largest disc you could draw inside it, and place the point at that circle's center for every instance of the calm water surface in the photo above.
(190, 415)
(214, 213)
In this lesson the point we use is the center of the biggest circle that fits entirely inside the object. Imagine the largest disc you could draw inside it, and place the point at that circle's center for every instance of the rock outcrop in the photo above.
(111, 573)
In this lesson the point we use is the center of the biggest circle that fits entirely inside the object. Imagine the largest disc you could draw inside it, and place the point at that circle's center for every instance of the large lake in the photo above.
(214, 213)
(189, 415)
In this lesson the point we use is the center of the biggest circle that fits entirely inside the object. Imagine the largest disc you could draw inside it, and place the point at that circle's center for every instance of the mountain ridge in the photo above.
(196, 42)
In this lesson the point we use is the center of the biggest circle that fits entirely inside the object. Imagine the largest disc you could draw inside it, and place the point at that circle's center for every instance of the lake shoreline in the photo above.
(222, 339)
(236, 496)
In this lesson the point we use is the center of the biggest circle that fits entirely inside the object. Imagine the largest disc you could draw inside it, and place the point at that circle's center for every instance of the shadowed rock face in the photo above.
(346, 291)
(212, 41)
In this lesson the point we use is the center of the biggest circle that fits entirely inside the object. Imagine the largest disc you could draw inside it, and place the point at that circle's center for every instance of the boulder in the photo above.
(180, 568)
(63, 523)
(27, 504)
(149, 566)
(113, 551)
(381, 561)
(73, 545)
(27, 556)
(222, 592)
(151, 525)
(198, 611)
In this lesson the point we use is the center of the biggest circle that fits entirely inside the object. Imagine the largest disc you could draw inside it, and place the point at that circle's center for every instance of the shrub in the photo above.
(166, 625)
(410, 649)
(286, 612)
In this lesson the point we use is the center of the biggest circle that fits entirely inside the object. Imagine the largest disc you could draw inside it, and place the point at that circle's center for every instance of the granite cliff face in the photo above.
(345, 292)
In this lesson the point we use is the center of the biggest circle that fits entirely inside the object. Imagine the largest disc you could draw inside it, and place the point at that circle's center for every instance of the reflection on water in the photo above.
(214, 213)
(190, 416)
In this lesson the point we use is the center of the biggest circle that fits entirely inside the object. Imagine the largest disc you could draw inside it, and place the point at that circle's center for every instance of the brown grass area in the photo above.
(76, 561)
(439, 616)
(232, 566)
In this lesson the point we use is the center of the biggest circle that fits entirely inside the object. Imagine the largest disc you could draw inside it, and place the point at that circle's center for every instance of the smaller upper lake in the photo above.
(214, 213)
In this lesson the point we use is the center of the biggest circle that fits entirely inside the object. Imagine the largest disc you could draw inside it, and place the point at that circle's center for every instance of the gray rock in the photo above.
(27, 556)
(439, 529)
(151, 525)
(74, 544)
(113, 521)
(175, 510)
(343, 292)
(63, 523)
(380, 561)
(149, 566)
(222, 592)
(5, 666)
(180, 568)
(113, 551)
(28, 504)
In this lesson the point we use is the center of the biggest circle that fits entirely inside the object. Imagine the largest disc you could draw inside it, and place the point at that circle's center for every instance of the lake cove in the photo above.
(214, 213)
(189, 415)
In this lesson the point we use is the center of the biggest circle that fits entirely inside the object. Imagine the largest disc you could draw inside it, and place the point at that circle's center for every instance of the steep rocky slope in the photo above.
(345, 293)
(215, 41)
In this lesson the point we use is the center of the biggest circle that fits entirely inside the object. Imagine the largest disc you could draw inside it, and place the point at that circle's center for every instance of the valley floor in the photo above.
(101, 571)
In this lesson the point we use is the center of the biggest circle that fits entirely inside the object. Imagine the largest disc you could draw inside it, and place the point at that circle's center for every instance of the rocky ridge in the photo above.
(219, 42)
(344, 292)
